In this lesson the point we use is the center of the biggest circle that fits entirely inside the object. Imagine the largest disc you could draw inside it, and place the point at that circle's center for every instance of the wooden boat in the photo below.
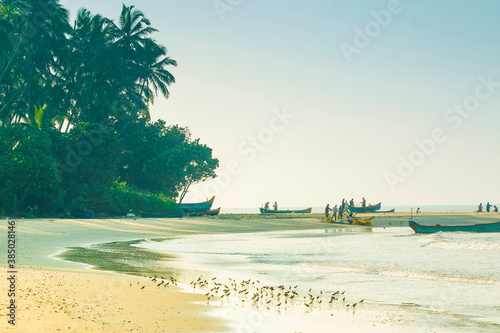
(363, 220)
(355, 220)
(300, 211)
(212, 212)
(197, 207)
(384, 211)
(162, 216)
(369, 208)
(427, 229)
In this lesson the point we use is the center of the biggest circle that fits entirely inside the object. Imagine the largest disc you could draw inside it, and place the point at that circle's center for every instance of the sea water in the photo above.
(449, 282)
(384, 207)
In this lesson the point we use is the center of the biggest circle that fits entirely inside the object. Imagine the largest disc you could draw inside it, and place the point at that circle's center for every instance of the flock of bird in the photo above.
(253, 293)
(165, 282)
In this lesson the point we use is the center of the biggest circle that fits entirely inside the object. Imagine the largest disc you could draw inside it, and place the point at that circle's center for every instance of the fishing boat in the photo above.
(363, 220)
(384, 211)
(197, 207)
(162, 216)
(300, 211)
(355, 220)
(212, 212)
(369, 208)
(427, 229)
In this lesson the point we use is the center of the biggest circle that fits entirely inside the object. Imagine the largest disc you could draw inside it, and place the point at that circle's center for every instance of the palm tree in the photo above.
(144, 59)
(117, 70)
(99, 72)
(8, 61)
(152, 73)
(93, 69)
(34, 66)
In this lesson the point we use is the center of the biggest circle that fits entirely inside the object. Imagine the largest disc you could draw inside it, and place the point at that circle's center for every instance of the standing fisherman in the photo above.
(334, 217)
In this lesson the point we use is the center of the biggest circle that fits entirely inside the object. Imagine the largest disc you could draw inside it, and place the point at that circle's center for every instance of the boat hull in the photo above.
(385, 211)
(212, 212)
(197, 207)
(369, 208)
(427, 229)
(299, 211)
(363, 220)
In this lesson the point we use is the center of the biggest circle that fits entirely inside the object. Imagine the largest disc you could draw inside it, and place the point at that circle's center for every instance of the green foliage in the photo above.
(28, 172)
(200, 167)
(32, 62)
(74, 114)
(89, 71)
(123, 198)
(89, 163)
(164, 159)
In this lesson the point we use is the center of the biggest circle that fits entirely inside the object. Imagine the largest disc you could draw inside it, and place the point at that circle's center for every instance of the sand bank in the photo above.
(65, 300)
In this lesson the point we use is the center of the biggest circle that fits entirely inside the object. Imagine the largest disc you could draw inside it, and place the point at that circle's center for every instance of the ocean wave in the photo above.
(311, 267)
(480, 246)
(439, 242)
(332, 268)
(432, 276)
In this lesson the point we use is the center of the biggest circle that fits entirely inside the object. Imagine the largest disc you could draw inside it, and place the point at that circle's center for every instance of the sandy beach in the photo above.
(239, 166)
(75, 300)
(57, 295)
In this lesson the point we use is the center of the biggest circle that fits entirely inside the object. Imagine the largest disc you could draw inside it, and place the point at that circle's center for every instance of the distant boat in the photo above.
(300, 211)
(384, 211)
(369, 208)
(197, 207)
(427, 229)
(212, 212)
(162, 216)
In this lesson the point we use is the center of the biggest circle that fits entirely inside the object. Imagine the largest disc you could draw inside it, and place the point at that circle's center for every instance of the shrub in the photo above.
(122, 198)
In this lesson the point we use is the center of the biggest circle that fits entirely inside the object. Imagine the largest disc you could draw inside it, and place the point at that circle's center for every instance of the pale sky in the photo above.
(309, 102)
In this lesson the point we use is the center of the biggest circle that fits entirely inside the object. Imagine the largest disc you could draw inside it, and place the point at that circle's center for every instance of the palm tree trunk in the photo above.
(13, 56)
(184, 191)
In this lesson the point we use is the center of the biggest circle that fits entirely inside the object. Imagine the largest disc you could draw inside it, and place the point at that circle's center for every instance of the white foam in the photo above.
(432, 276)
(464, 245)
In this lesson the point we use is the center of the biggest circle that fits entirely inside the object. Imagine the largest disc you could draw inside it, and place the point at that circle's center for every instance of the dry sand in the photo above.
(88, 301)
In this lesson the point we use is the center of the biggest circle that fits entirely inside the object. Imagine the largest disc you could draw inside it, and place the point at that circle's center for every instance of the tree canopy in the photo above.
(74, 112)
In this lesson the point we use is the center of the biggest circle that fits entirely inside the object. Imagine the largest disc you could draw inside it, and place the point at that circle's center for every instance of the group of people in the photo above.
(275, 206)
(341, 212)
(488, 207)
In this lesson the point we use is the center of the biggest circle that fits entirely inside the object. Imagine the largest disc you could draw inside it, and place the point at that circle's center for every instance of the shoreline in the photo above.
(254, 215)
(47, 283)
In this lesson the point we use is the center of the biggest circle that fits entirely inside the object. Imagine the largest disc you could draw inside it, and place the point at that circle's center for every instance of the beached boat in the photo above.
(197, 207)
(162, 216)
(212, 212)
(384, 211)
(300, 211)
(427, 229)
(369, 208)
(355, 220)
(363, 220)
